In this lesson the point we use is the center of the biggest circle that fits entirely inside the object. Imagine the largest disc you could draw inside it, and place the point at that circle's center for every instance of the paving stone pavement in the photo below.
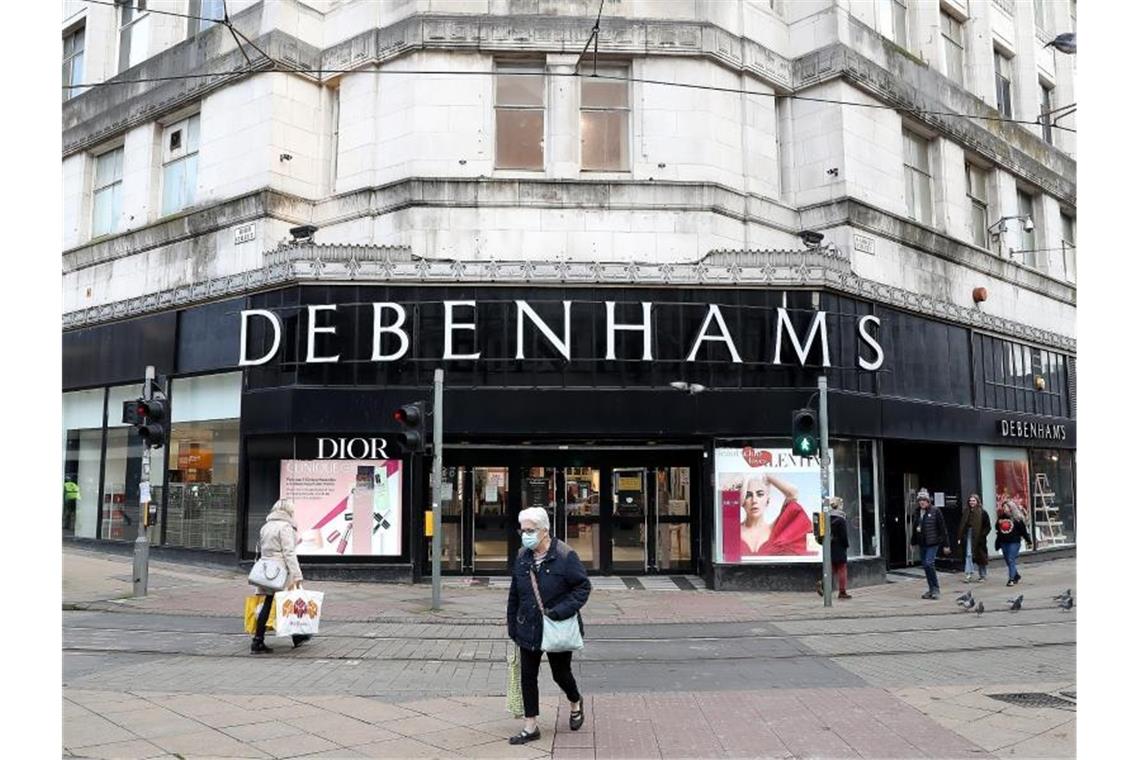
(673, 674)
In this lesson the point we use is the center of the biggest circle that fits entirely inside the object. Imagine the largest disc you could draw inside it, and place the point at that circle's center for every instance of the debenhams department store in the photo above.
(648, 412)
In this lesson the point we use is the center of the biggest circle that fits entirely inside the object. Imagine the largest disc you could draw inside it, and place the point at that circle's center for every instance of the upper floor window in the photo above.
(979, 204)
(899, 23)
(604, 121)
(1046, 112)
(1027, 245)
(1042, 16)
(520, 117)
(107, 205)
(204, 14)
(73, 44)
(953, 42)
(916, 170)
(1003, 78)
(179, 164)
(133, 30)
(1069, 244)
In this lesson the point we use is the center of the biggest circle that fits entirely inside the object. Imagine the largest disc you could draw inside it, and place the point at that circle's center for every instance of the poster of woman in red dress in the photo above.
(761, 515)
(1011, 483)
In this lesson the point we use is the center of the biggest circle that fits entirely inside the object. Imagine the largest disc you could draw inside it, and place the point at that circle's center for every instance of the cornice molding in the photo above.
(333, 264)
(693, 197)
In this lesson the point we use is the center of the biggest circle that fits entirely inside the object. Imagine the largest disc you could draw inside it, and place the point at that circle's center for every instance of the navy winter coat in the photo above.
(564, 587)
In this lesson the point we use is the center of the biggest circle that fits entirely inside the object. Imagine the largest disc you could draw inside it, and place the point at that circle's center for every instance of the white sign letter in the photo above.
(243, 361)
(724, 337)
(818, 326)
(866, 337)
(562, 346)
(311, 357)
(378, 330)
(645, 328)
(321, 448)
(449, 325)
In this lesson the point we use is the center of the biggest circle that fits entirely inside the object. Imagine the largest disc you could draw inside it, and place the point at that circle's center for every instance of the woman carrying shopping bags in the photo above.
(548, 584)
(278, 542)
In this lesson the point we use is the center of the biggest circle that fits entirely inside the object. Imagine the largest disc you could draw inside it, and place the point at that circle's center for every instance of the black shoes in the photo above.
(522, 737)
(258, 647)
(578, 717)
(299, 639)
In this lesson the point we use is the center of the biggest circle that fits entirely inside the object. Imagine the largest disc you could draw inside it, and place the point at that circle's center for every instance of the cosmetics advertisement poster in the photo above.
(765, 501)
(346, 507)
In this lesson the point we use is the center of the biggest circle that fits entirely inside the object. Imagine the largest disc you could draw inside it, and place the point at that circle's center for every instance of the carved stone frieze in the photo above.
(816, 268)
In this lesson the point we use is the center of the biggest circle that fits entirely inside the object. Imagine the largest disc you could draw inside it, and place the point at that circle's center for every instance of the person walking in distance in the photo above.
(1010, 533)
(554, 569)
(930, 534)
(278, 540)
(972, 531)
(837, 527)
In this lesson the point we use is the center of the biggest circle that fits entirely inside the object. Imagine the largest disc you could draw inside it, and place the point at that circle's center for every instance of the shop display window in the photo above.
(1054, 494)
(1005, 477)
(767, 496)
(82, 453)
(202, 477)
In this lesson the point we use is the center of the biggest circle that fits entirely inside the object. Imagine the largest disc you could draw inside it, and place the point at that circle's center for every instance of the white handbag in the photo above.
(557, 635)
(268, 573)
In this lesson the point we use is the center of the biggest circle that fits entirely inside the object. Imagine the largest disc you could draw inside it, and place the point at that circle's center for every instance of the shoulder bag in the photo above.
(557, 635)
(268, 573)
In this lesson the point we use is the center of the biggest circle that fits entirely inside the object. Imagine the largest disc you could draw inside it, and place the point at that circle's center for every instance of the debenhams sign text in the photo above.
(389, 318)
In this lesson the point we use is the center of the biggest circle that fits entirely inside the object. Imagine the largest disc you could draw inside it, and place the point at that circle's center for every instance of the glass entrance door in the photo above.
(628, 521)
(580, 524)
(492, 520)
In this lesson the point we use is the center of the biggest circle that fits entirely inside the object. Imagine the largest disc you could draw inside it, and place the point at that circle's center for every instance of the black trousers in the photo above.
(263, 616)
(559, 668)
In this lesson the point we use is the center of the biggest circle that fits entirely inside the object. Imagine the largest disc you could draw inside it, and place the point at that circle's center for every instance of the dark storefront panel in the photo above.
(927, 360)
(204, 345)
(119, 352)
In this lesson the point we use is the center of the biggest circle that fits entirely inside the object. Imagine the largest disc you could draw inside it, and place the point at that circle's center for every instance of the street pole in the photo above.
(142, 543)
(436, 489)
(825, 489)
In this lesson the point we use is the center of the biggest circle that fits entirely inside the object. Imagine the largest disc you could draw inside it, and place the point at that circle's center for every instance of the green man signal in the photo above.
(805, 433)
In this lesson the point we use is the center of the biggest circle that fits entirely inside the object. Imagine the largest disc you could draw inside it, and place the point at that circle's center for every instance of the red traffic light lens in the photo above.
(400, 415)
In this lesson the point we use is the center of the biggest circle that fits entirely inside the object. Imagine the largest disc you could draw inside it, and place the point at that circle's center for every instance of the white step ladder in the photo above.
(1047, 516)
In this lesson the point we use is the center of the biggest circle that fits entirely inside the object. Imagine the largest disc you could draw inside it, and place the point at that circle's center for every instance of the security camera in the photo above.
(811, 238)
(304, 232)
(1029, 224)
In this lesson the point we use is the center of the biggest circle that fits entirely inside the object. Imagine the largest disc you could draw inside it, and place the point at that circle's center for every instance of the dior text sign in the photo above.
(352, 448)
(802, 333)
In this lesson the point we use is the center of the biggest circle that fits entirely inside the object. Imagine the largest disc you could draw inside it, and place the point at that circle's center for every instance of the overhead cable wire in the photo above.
(613, 77)
(153, 10)
(594, 39)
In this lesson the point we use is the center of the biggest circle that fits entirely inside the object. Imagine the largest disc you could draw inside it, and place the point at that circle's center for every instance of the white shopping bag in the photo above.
(298, 611)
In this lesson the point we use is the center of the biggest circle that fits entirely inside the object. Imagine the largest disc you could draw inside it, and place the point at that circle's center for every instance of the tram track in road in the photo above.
(798, 655)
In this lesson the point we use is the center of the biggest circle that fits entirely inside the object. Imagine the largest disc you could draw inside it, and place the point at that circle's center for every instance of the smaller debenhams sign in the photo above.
(1038, 431)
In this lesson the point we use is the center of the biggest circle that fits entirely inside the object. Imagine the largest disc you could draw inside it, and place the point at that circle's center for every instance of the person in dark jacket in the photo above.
(1010, 533)
(928, 535)
(837, 525)
(972, 532)
(564, 588)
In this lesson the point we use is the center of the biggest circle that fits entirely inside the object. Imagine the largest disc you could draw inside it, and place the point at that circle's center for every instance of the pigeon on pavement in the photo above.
(1067, 603)
(968, 605)
(1015, 604)
(965, 597)
(981, 608)
(1061, 597)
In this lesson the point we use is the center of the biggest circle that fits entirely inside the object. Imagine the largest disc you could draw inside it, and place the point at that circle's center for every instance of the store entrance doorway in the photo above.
(907, 467)
(627, 517)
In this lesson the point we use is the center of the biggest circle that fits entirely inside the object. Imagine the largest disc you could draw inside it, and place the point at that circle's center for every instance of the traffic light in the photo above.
(410, 417)
(150, 427)
(805, 433)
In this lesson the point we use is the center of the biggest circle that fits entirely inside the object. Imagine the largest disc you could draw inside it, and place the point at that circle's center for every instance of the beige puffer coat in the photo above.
(279, 541)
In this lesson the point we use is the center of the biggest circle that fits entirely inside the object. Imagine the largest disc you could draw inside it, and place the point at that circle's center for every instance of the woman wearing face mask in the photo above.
(787, 534)
(564, 588)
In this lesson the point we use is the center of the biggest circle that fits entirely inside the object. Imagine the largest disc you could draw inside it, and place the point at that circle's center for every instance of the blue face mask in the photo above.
(530, 540)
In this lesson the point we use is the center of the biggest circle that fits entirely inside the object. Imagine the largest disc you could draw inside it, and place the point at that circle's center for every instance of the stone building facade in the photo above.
(460, 146)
